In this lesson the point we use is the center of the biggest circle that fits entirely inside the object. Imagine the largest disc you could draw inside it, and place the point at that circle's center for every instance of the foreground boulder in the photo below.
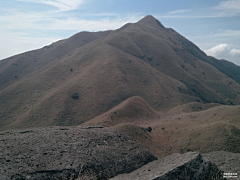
(188, 166)
(226, 161)
(67, 152)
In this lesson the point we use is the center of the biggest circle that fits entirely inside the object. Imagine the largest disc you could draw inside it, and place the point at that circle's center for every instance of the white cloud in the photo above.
(234, 52)
(61, 5)
(180, 11)
(224, 51)
(221, 34)
(229, 5)
(228, 8)
(23, 21)
(17, 42)
(14, 42)
(15, 19)
(91, 25)
(37, 24)
(218, 50)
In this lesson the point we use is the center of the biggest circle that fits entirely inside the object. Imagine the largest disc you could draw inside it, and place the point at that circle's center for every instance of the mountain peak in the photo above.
(150, 20)
(149, 17)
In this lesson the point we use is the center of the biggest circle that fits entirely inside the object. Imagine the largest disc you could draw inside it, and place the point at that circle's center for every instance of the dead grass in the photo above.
(186, 128)
(143, 59)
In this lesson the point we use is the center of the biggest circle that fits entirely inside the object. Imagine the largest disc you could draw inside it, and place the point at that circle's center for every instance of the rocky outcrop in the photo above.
(226, 161)
(56, 152)
(188, 166)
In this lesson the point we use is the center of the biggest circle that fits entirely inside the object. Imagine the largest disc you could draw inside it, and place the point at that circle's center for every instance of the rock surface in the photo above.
(188, 166)
(226, 161)
(54, 152)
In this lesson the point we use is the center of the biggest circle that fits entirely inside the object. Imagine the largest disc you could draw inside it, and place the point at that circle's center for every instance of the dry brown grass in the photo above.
(106, 68)
(212, 127)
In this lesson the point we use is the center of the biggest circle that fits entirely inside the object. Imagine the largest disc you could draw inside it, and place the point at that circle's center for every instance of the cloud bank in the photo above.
(224, 51)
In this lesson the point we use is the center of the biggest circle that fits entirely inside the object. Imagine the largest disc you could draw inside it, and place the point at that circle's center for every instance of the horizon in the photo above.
(28, 25)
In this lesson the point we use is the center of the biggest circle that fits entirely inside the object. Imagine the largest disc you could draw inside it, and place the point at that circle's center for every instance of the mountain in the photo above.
(77, 79)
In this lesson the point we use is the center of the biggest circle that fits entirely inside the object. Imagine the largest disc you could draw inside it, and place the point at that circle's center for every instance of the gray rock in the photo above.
(57, 152)
(188, 166)
(226, 161)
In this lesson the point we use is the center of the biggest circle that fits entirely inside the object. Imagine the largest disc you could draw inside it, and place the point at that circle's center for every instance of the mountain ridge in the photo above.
(105, 68)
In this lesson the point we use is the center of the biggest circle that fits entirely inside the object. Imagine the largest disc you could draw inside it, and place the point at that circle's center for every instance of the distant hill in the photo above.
(77, 79)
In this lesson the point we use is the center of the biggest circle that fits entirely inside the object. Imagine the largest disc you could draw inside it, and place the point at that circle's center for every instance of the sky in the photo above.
(213, 25)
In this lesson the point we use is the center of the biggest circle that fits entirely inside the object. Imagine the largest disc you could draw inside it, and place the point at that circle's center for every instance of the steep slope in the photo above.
(226, 67)
(77, 79)
(102, 76)
(170, 53)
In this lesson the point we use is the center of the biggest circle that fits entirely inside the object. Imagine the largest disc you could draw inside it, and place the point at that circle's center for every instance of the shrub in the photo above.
(149, 129)
(75, 96)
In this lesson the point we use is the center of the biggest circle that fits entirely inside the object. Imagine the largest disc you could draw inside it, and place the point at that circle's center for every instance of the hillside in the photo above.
(133, 110)
(77, 79)
(189, 127)
(214, 129)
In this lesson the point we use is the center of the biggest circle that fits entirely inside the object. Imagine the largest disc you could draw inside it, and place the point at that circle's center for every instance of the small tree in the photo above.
(149, 129)
(75, 96)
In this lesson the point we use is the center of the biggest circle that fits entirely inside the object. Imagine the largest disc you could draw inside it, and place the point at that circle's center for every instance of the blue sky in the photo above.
(213, 25)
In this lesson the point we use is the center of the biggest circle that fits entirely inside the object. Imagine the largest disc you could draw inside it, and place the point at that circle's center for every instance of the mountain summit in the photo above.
(150, 20)
(79, 78)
